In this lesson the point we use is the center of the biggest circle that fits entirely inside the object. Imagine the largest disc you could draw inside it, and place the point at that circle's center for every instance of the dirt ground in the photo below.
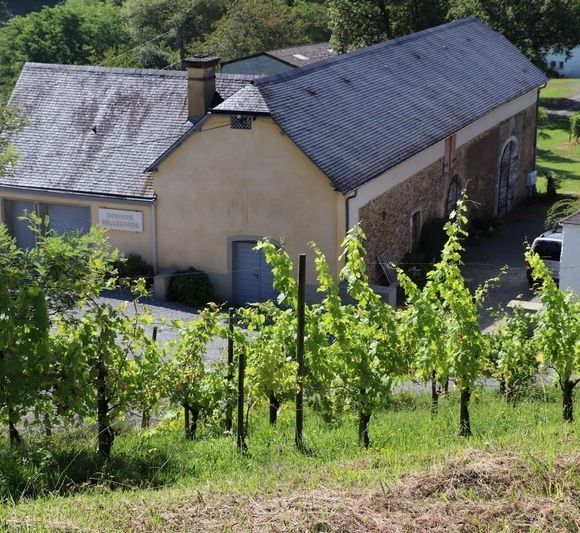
(479, 491)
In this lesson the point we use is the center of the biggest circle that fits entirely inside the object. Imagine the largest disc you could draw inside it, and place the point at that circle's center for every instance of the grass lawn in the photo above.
(559, 89)
(519, 459)
(556, 152)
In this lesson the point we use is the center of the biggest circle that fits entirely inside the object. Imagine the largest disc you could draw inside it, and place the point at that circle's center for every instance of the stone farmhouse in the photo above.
(192, 168)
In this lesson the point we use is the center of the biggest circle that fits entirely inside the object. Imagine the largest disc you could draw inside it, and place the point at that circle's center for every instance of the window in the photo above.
(561, 64)
(453, 195)
(415, 229)
(552, 64)
(550, 251)
(241, 123)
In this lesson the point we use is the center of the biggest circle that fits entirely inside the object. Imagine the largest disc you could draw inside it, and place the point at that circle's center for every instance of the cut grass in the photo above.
(559, 89)
(206, 472)
(555, 152)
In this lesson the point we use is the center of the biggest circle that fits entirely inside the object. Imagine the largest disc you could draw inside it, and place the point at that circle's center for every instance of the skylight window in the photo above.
(300, 56)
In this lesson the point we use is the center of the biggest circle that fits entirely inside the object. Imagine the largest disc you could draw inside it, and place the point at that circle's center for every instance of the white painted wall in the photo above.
(569, 67)
(570, 259)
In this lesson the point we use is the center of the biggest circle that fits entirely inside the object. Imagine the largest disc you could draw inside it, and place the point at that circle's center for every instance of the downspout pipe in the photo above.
(154, 237)
(348, 197)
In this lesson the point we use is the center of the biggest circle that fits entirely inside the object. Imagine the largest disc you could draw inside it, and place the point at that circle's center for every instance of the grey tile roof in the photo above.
(299, 56)
(95, 130)
(360, 114)
(246, 100)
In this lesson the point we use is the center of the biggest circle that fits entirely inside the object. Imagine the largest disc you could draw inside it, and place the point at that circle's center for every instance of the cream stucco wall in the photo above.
(128, 242)
(224, 184)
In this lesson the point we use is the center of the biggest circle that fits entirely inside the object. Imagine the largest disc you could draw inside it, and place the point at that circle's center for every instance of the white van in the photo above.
(549, 247)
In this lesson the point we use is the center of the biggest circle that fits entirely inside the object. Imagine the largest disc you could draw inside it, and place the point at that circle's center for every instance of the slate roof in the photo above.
(298, 56)
(246, 101)
(360, 114)
(95, 130)
(295, 56)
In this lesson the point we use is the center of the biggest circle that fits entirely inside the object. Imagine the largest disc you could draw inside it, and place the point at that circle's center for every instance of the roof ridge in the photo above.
(366, 50)
(105, 70)
(124, 71)
(294, 46)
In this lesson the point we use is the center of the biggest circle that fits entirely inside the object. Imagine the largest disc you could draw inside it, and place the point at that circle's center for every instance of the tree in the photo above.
(364, 348)
(356, 23)
(533, 26)
(313, 17)
(10, 120)
(512, 355)
(444, 319)
(186, 375)
(69, 268)
(163, 29)
(75, 32)
(24, 328)
(557, 334)
(250, 27)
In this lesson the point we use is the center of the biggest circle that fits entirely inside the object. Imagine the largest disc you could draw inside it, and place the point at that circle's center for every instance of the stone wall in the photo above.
(478, 161)
(386, 220)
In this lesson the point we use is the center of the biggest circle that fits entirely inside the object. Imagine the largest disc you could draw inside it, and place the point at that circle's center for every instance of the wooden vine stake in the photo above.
(300, 351)
(146, 415)
(240, 430)
(230, 374)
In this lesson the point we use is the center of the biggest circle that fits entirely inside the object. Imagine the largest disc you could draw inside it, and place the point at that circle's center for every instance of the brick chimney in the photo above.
(200, 84)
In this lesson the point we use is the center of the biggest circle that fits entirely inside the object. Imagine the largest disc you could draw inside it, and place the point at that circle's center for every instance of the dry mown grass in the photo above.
(479, 491)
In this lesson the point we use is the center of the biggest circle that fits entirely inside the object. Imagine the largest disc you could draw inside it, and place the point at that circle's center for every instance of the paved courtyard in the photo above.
(486, 255)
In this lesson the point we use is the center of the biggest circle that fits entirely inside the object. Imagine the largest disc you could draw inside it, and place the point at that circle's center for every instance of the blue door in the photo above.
(251, 276)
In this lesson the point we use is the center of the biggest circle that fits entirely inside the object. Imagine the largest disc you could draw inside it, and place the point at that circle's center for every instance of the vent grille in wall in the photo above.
(241, 123)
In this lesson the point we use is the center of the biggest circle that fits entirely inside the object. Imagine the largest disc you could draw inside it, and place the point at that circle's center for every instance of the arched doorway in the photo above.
(508, 172)
(453, 196)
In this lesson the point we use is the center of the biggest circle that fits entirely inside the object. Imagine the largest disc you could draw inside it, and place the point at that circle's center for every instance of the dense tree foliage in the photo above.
(76, 32)
(557, 335)
(252, 26)
(533, 26)
(160, 33)
(356, 23)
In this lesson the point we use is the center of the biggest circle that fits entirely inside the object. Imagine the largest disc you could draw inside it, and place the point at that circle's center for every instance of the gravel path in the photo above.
(168, 312)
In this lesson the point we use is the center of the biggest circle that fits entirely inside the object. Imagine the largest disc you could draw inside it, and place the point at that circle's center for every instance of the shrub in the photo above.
(575, 127)
(553, 183)
(559, 211)
(191, 287)
(133, 266)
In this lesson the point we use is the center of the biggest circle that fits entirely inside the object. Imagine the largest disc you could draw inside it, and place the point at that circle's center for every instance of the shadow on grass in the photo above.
(555, 103)
(40, 467)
